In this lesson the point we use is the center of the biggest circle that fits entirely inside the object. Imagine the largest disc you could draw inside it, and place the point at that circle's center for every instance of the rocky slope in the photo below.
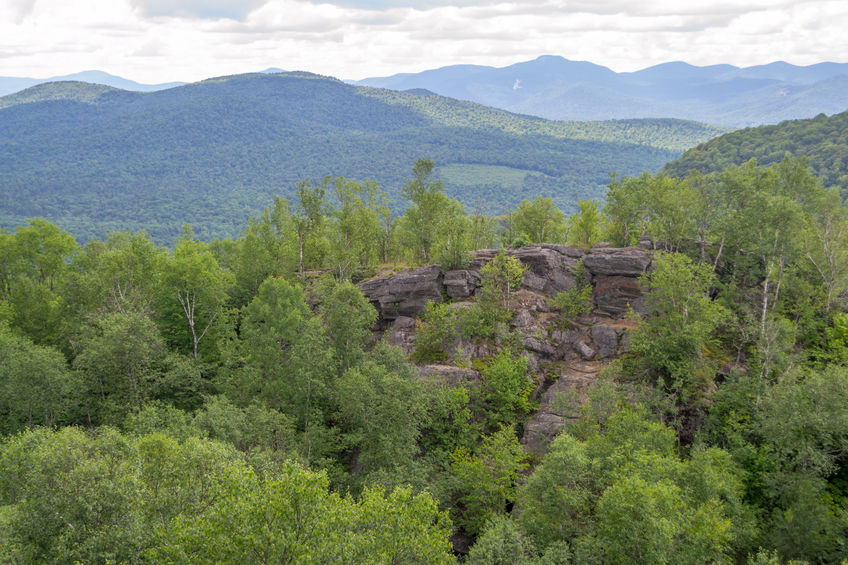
(565, 362)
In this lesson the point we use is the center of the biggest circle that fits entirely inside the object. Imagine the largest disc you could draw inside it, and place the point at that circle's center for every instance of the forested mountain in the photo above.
(10, 85)
(95, 159)
(822, 140)
(560, 89)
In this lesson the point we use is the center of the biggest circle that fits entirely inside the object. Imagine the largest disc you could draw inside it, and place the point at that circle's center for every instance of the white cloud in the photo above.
(15, 10)
(164, 40)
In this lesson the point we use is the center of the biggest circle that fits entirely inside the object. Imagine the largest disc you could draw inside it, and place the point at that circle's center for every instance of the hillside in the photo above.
(822, 140)
(560, 89)
(10, 85)
(96, 159)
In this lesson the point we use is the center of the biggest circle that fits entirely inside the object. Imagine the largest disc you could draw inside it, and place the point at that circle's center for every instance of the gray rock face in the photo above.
(405, 293)
(559, 403)
(605, 339)
(614, 295)
(628, 262)
(449, 375)
(461, 283)
(402, 334)
(522, 319)
(549, 267)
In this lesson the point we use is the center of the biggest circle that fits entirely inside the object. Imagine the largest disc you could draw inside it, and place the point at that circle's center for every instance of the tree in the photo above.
(195, 281)
(541, 220)
(267, 249)
(557, 501)
(586, 225)
(349, 318)
(35, 384)
(501, 277)
(120, 360)
(429, 213)
(355, 226)
(487, 479)
(502, 544)
(382, 412)
(507, 387)
(33, 262)
(288, 361)
(670, 347)
(309, 219)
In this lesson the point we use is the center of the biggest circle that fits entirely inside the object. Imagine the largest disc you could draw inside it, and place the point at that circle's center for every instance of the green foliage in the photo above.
(576, 300)
(349, 318)
(120, 362)
(671, 345)
(33, 263)
(381, 411)
(822, 139)
(540, 220)
(502, 544)
(36, 387)
(507, 387)
(266, 249)
(449, 422)
(502, 276)
(487, 479)
(194, 293)
(102, 497)
(624, 496)
(586, 225)
(436, 333)
(433, 225)
(355, 225)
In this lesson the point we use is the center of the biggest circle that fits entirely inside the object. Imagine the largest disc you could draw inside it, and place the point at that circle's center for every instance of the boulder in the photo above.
(461, 283)
(605, 339)
(584, 350)
(540, 347)
(405, 293)
(629, 262)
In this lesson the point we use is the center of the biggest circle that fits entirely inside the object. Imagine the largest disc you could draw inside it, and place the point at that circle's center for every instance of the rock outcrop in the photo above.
(565, 357)
(612, 272)
(405, 293)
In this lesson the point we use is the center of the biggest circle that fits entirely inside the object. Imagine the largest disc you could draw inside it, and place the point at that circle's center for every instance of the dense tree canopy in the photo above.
(228, 401)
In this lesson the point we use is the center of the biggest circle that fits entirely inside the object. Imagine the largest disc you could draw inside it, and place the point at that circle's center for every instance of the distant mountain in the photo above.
(10, 85)
(823, 140)
(556, 88)
(95, 159)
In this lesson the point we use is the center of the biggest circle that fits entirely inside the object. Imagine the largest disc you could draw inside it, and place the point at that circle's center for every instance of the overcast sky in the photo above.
(166, 40)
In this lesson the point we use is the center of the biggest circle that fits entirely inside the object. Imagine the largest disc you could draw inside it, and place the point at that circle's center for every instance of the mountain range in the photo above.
(559, 89)
(10, 85)
(95, 159)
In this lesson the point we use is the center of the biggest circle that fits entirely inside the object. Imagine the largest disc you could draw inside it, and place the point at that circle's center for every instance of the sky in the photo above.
(154, 41)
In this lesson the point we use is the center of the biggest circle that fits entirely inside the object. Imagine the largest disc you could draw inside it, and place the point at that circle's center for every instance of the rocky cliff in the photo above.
(565, 362)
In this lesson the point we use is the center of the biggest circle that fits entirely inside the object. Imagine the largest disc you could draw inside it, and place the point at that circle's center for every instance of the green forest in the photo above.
(95, 160)
(823, 140)
(226, 401)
